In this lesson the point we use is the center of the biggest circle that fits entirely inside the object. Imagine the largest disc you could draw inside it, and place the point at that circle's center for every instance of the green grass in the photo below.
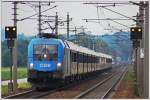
(129, 77)
(4, 90)
(24, 86)
(5, 73)
(21, 86)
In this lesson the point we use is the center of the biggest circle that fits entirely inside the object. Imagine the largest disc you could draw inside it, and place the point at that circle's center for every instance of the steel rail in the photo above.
(92, 88)
(99, 84)
(18, 94)
(115, 84)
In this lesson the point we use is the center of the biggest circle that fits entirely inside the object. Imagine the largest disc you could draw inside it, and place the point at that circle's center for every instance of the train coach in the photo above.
(52, 62)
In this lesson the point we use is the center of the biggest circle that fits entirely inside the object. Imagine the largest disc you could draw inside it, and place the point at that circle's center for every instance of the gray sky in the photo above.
(77, 11)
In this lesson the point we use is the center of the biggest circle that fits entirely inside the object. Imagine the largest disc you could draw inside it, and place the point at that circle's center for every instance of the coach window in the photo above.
(75, 57)
(108, 60)
(88, 59)
(72, 56)
(79, 57)
(82, 60)
(84, 56)
(97, 59)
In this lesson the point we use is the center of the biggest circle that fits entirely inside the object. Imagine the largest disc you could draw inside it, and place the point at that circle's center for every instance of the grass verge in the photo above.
(5, 73)
(21, 86)
(127, 86)
(129, 77)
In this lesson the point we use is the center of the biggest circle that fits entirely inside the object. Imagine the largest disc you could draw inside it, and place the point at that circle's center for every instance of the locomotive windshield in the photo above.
(45, 52)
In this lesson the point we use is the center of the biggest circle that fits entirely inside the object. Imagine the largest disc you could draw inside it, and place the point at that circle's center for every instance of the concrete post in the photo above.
(146, 53)
(39, 20)
(15, 51)
(140, 59)
(67, 25)
(56, 24)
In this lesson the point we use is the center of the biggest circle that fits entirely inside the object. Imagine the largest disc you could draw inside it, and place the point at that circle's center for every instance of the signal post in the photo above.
(11, 35)
(136, 36)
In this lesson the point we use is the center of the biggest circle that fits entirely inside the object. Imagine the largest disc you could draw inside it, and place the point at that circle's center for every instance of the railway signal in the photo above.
(136, 33)
(11, 35)
(10, 32)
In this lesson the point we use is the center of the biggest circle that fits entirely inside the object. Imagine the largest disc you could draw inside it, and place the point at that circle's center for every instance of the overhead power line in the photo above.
(32, 1)
(106, 2)
(120, 23)
(117, 13)
(108, 19)
(36, 14)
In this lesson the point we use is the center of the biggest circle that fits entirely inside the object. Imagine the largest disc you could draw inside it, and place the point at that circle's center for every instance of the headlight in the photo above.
(45, 55)
(58, 64)
(31, 65)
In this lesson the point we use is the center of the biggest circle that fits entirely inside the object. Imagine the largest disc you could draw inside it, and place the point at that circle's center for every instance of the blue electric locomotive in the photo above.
(45, 58)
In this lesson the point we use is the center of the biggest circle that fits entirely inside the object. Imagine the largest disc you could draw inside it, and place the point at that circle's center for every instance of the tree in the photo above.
(22, 46)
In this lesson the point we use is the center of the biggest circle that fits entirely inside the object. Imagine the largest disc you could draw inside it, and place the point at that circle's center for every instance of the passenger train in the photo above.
(52, 61)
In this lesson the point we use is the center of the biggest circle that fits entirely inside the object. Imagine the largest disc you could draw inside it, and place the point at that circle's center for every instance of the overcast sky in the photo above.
(77, 11)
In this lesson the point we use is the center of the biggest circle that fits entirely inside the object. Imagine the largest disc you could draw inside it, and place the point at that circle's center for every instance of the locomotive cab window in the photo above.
(45, 52)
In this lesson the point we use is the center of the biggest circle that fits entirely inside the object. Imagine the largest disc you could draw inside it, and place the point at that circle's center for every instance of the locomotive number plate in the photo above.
(45, 65)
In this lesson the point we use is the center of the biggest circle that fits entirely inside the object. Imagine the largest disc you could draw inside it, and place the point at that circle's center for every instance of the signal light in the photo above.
(139, 30)
(7, 29)
(132, 29)
(14, 29)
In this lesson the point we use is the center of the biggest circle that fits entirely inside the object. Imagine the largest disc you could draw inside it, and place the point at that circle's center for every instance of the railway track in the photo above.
(103, 88)
(35, 94)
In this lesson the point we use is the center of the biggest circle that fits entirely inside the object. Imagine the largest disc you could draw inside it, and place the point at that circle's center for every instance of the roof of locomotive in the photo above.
(45, 41)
